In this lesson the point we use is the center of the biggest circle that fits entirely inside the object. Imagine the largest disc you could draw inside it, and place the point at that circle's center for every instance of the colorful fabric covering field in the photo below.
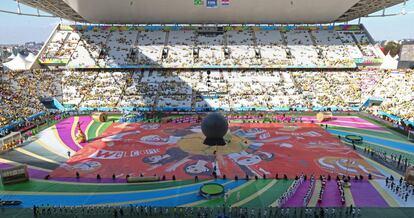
(171, 149)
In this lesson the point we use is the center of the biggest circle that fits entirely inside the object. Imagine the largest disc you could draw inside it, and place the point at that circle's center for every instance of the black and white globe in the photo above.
(214, 127)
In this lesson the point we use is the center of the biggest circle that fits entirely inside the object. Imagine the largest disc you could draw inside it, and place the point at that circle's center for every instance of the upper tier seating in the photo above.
(250, 47)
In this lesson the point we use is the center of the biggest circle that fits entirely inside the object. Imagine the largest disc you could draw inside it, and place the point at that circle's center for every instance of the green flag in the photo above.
(198, 2)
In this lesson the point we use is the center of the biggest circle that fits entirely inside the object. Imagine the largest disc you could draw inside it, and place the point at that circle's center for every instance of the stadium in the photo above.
(207, 108)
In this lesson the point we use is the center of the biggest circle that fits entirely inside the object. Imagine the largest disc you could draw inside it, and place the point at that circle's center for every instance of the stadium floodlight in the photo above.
(18, 8)
(403, 12)
(384, 14)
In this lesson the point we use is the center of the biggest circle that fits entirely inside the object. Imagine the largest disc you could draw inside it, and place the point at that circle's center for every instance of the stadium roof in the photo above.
(210, 11)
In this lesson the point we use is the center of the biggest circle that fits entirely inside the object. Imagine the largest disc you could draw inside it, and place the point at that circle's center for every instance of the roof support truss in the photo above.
(366, 7)
(56, 7)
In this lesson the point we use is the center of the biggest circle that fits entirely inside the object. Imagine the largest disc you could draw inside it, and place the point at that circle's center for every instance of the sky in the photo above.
(15, 29)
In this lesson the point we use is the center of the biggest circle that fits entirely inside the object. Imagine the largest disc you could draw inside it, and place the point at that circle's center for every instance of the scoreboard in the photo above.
(407, 55)
(407, 52)
(14, 175)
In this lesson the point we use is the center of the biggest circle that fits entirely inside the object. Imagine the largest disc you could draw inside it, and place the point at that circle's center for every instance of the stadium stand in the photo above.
(78, 46)
(186, 68)
(170, 90)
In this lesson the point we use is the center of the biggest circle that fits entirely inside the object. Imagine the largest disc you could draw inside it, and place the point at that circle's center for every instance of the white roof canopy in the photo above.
(18, 63)
(212, 11)
(390, 63)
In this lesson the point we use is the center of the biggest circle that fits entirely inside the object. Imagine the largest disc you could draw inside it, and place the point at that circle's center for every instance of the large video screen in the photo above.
(407, 52)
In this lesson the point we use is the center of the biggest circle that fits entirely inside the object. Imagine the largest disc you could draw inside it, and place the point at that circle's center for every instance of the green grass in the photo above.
(271, 195)
(244, 193)
(50, 186)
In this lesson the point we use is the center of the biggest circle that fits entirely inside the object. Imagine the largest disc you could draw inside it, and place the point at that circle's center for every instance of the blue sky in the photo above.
(20, 29)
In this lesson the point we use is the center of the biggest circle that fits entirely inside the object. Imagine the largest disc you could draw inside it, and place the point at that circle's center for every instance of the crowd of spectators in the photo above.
(21, 92)
(120, 47)
(206, 90)
(61, 46)
(397, 90)
(203, 90)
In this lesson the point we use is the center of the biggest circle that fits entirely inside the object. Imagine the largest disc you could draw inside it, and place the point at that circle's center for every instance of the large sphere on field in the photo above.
(214, 127)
